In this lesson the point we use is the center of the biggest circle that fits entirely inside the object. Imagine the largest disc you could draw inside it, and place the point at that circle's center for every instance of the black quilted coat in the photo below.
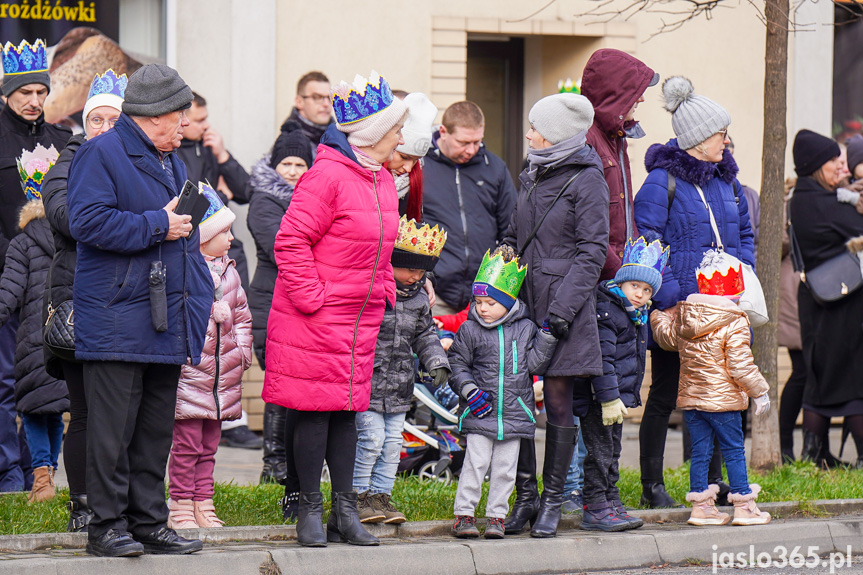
(21, 287)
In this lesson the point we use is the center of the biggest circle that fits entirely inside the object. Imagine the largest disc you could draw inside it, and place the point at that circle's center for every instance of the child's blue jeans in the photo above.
(575, 475)
(726, 426)
(379, 444)
(45, 437)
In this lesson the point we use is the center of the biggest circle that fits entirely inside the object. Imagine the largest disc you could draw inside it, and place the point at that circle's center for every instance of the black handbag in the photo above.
(59, 332)
(832, 280)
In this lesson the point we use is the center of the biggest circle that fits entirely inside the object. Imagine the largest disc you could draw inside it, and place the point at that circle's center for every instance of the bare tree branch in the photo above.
(529, 16)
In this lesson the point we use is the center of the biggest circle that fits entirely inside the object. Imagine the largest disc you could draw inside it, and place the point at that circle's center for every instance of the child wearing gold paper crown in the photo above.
(718, 375)
(494, 356)
(210, 392)
(405, 330)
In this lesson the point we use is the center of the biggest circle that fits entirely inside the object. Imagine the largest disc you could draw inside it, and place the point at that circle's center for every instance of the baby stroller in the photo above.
(432, 447)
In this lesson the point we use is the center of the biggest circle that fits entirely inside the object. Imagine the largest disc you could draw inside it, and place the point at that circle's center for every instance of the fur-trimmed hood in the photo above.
(855, 245)
(32, 210)
(266, 179)
(681, 165)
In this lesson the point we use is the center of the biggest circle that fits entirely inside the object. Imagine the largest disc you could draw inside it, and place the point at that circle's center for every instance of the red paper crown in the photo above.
(730, 284)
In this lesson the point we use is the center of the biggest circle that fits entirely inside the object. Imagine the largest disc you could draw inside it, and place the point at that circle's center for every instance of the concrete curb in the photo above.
(518, 555)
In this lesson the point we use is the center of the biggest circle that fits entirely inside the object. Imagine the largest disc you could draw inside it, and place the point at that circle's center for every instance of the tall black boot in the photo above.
(559, 445)
(526, 504)
(79, 513)
(275, 467)
(310, 520)
(827, 460)
(812, 445)
(344, 523)
(653, 493)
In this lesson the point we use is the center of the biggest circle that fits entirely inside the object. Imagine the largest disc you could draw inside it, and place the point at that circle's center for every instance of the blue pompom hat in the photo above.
(106, 90)
(25, 64)
(643, 262)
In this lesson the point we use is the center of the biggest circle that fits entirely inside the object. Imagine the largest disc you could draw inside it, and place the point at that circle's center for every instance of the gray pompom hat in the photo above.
(156, 89)
(693, 118)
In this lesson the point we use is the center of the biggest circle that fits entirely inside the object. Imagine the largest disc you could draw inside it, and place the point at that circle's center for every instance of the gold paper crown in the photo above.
(423, 240)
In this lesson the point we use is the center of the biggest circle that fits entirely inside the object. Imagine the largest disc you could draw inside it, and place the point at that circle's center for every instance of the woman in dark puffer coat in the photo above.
(39, 398)
(272, 185)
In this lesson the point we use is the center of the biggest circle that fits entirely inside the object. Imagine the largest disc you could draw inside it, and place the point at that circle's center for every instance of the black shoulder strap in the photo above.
(796, 258)
(542, 219)
(672, 187)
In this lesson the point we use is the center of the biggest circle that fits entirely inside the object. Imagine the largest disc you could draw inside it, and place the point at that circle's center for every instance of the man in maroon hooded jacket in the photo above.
(615, 83)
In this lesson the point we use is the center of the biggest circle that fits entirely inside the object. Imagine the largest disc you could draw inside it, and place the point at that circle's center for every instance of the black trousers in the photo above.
(792, 399)
(601, 470)
(661, 401)
(130, 424)
(330, 435)
(75, 444)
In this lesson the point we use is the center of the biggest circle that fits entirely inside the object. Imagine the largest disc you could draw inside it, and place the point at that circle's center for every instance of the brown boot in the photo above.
(43, 484)
(745, 510)
(367, 510)
(704, 511)
(381, 502)
(205, 514)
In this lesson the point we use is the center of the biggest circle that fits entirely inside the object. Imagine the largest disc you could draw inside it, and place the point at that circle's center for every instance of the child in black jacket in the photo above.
(601, 402)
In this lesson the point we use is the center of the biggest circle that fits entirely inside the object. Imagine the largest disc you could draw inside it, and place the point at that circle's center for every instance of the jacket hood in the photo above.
(337, 140)
(32, 210)
(435, 153)
(613, 81)
(681, 165)
(267, 180)
(33, 222)
(701, 315)
(517, 312)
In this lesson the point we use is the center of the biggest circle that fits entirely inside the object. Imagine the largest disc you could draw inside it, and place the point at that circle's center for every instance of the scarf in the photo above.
(404, 291)
(403, 184)
(217, 268)
(365, 160)
(554, 155)
(637, 315)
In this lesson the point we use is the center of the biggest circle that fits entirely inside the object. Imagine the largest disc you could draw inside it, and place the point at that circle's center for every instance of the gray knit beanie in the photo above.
(559, 117)
(156, 89)
(694, 118)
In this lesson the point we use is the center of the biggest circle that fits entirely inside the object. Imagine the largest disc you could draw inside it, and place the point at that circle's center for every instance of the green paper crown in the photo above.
(500, 274)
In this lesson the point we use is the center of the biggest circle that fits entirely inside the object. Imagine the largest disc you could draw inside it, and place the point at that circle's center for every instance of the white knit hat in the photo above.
(217, 218)
(366, 110)
(417, 131)
(693, 118)
(559, 117)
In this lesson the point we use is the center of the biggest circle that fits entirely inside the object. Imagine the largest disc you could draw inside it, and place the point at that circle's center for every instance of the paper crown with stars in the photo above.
(32, 167)
(417, 246)
(362, 99)
(717, 276)
(499, 276)
(643, 261)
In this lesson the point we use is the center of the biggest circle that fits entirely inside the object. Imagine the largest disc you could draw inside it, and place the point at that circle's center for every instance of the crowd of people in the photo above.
(381, 238)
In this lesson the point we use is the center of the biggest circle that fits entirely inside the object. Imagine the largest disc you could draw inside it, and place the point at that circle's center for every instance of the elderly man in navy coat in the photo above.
(123, 188)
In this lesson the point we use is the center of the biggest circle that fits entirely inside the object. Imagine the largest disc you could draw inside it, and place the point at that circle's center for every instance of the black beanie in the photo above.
(811, 151)
(291, 142)
(855, 151)
(413, 261)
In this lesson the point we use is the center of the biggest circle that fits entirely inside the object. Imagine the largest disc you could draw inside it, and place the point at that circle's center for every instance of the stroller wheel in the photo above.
(427, 473)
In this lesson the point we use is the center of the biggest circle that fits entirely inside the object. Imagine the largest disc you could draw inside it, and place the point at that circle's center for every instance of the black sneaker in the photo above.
(114, 543)
(465, 527)
(494, 530)
(165, 541)
(242, 437)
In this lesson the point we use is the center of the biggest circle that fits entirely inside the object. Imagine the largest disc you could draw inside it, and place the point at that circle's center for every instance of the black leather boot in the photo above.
(275, 468)
(344, 524)
(559, 445)
(79, 513)
(653, 493)
(526, 504)
(310, 520)
(812, 446)
(290, 505)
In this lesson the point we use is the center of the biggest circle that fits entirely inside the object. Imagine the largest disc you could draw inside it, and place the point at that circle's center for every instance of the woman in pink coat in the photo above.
(335, 280)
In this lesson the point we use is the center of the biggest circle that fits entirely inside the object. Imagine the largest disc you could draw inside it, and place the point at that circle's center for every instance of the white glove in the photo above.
(762, 404)
(613, 412)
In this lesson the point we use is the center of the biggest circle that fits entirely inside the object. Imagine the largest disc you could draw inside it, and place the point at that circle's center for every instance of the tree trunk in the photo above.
(765, 428)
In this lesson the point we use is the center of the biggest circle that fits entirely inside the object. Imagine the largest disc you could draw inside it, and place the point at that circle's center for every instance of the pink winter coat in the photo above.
(333, 251)
(227, 352)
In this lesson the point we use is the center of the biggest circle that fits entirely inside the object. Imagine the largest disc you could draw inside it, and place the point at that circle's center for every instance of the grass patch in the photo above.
(426, 501)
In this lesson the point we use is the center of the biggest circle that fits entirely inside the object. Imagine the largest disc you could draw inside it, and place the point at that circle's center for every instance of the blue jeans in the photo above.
(45, 438)
(379, 444)
(726, 426)
(575, 475)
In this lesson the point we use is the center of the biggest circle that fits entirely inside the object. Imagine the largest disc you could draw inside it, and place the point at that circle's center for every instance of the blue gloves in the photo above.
(477, 401)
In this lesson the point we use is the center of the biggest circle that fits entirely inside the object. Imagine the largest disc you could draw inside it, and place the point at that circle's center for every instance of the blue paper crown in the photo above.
(362, 100)
(25, 58)
(215, 201)
(108, 83)
(640, 253)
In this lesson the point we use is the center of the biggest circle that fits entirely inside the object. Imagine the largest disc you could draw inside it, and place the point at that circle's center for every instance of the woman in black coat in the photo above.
(272, 185)
(832, 334)
(564, 261)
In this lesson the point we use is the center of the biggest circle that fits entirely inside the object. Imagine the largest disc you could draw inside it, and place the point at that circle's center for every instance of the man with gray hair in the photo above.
(142, 299)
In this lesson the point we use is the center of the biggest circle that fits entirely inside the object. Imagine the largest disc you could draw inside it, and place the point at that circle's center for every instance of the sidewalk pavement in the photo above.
(424, 547)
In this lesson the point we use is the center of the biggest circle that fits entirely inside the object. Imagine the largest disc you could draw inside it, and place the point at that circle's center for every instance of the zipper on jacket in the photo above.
(500, 377)
(627, 209)
(216, 382)
(463, 221)
(371, 287)
(461, 419)
(526, 410)
(514, 357)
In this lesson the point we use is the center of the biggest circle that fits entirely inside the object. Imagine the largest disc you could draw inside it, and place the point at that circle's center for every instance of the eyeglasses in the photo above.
(724, 133)
(316, 98)
(97, 122)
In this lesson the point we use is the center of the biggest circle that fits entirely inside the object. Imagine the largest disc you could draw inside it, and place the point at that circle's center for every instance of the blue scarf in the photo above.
(638, 316)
